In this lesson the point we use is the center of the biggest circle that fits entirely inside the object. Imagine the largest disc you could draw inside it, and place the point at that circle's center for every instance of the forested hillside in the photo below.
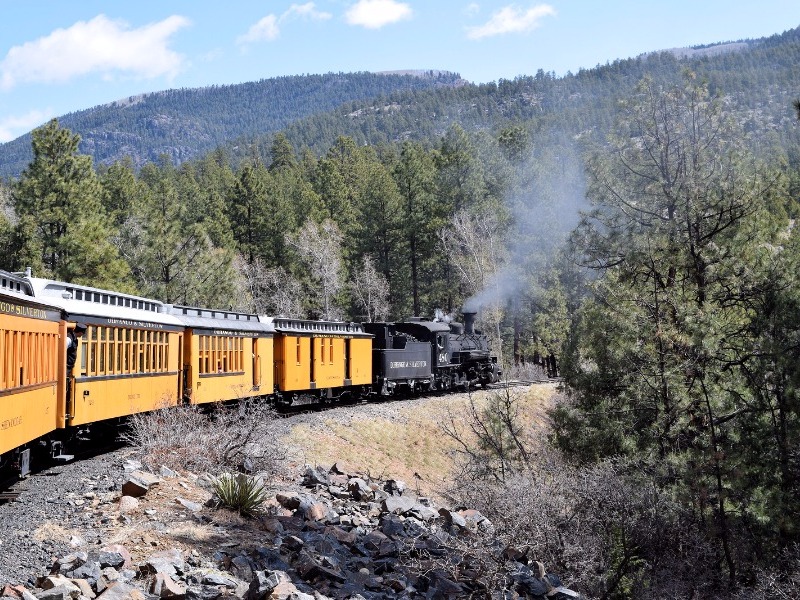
(187, 123)
(637, 221)
(757, 78)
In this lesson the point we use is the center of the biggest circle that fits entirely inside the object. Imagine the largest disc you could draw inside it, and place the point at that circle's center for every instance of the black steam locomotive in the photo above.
(425, 355)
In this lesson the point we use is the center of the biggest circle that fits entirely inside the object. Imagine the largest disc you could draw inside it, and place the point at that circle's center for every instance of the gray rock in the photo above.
(188, 504)
(217, 578)
(112, 558)
(128, 504)
(360, 490)
(122, 591)
(203, 592)
(315, 476)
(167, 472)
(70, 562)
(138, 483)
(89, 571)
(262, 584)
(169, 562)
(397, 504)
(60, 592)
(164, 586)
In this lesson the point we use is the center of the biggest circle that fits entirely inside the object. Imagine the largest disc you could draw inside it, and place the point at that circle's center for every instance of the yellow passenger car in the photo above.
(324, 359)
(30, 362)
(129, 358)
(227, 355)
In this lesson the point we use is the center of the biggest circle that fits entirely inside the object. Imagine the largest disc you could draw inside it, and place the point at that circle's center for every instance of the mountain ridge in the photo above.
(391, 106)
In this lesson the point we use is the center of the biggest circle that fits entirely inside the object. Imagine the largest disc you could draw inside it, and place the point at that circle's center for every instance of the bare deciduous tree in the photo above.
(272, 291)
(371, 291)
(6, 208)
(492, 439)
(320, 247)
(474, 242)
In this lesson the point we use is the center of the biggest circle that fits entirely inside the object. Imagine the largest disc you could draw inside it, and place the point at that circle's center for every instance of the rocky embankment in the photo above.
(332, 535)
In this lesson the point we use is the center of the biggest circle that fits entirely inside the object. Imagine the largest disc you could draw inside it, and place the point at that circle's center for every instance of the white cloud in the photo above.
(308, 10)
(97, 46)
(374, 14)
(13, 127)
(472, 9)
(511, 19)
(268, 28)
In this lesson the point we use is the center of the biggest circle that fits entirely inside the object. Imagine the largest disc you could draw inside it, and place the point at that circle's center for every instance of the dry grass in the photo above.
(53, 532)
(406, 441)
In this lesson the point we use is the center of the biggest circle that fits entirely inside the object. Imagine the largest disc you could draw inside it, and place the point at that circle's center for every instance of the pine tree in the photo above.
(674, 235)
(62, 194)
(422, 217)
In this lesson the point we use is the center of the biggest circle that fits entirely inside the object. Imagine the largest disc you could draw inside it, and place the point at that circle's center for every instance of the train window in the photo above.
(28, 366)
(298, 351)
(126, 354)
(121, 346)
(216, 354)
(120, 363)
(27, 358)
(112, 350)
(159, 350)
(101, 367)
(135, 351)
(11, 363)
(92, 349)
(153, 351)
(139, 350)
(84, 349)
(3, 360)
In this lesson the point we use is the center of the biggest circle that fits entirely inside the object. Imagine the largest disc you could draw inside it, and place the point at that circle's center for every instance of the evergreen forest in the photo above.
(635, 220)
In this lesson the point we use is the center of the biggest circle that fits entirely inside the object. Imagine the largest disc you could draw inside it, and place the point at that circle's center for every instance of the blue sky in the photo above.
(60, 56)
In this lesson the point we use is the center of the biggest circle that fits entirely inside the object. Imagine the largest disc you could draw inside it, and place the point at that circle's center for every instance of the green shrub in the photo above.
(242, 493)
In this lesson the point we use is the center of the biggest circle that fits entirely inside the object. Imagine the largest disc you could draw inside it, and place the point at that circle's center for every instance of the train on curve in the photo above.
(139, 354)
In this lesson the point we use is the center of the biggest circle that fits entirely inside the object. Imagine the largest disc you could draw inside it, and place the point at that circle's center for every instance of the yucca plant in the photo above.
(241, 492)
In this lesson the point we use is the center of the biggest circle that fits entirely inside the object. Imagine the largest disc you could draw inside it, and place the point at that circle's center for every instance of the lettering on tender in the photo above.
(408, 364)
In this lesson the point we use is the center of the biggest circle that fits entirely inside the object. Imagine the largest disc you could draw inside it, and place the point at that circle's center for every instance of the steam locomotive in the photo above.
(139, 355)
(433, 355)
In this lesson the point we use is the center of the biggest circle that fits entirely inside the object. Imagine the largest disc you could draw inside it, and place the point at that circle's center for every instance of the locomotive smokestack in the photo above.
(469, 322)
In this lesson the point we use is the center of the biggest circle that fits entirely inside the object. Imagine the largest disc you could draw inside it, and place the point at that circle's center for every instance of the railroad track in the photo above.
(9, 496)
(317, 406)
(11, 486)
